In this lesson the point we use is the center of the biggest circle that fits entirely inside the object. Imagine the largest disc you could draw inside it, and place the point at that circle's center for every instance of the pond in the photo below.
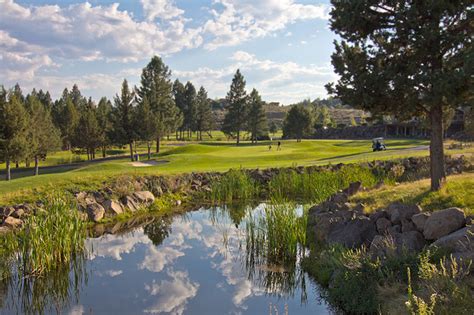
(194, 263)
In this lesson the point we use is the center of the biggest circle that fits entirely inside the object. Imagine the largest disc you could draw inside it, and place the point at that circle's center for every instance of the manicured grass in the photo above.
(185, 157)
(458, 192)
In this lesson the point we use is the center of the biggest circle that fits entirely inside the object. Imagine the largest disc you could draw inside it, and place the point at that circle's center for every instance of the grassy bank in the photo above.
(458, 192)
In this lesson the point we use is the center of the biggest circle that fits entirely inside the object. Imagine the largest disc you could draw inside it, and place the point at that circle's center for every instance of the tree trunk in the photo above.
(103, 151)
(17, 165)
(27, 163)
(437, 168)
(238, 137)
(149, 150)
(131, 151)
(9, 175)
(36, 166)
(158, 144)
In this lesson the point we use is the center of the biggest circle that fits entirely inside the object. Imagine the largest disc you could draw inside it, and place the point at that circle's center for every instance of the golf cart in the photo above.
(378, 145)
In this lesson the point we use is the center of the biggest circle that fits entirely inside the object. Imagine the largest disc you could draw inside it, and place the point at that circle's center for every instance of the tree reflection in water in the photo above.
(158, 230)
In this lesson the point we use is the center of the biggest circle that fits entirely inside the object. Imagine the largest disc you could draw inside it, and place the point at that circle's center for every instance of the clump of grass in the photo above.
(276, 236)
(318, 186)
(49, 238)
(232, 186)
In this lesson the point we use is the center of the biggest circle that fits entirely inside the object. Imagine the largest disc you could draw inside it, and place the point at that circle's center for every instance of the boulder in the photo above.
(408, 226)
(18, 213)
(353, 233)
(6, 212)
(340, 198)
(420, 219)
(411, 241)
(460, 241)
(11, 222)
(359, 208)
(378, 214)
(129, 203)
(145, 197)
(395, 229)
(398, 211)
(95, 212)
(443, 222)
(112, 207)
(382, 225)
(397, 243)
(353, 188)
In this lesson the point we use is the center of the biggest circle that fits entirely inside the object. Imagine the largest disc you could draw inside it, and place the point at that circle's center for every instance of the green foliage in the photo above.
(298, 123)
(204, 115)
(123, 117)
(257, 121)
(234, 185)
(277, 236)
(315, 187)
(237, 109)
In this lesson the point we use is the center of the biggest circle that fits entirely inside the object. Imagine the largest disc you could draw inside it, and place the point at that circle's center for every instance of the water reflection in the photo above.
(195, 263)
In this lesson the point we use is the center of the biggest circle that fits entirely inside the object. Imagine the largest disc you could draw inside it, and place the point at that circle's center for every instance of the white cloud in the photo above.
(163, 9)
(243, 20)
(303, 42)
(157, 258)
(172, 296)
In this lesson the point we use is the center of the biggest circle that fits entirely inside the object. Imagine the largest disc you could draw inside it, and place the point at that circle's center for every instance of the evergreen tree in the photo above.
(297, 123)
(123, 118)
(104, 118)
(257, 124)
(406, 58)
(88, 132)
(322, 117)
(236, 116)
(146, 122)
(190, 111)
(204, 116)
(156, 86)
(77, 99)
(68, 120)
(180, 101)
(273, 128)
(43, 136)
(13, 130)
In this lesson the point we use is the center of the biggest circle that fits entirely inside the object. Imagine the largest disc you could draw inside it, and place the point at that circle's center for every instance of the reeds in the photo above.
(235, 185)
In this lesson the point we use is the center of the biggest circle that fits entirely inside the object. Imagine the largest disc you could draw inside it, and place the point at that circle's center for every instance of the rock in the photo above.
(460, 241)
(398, 211)
(95, 211)
(98, 197)
(443, 222)
(382, 225)
(129, 203)
(353, 233)
(377, 215)
(6, 212)
(408, 226)
(18, 213)
(359, 208)
(397, 243)
(145, 197)
(419, 220)
(411, 241)
(382, 246)
(353, 188)
(12, 222)
(112, 207)
(395, 229)
(340, 198)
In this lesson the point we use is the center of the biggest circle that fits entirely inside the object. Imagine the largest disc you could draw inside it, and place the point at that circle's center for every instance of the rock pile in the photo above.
(399, 227)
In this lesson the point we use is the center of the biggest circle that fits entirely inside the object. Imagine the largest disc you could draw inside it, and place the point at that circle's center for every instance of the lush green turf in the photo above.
(207, 156)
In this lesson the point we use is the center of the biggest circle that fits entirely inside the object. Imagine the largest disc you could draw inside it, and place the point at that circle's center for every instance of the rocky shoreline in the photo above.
(390, 231)
(130, 194)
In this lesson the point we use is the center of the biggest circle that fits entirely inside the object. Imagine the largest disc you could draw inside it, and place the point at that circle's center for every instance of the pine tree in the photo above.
(180, 101)
(236, 116)
(204, 116)
(190, 111)
(43, 136)
(297, 123)
(104, 118)
(68, 123)
(156, 86)
(406, 58)
(13, 130)
(123, 118)
(257, 124)
(273, 128)
(88, 132)
(146, 122)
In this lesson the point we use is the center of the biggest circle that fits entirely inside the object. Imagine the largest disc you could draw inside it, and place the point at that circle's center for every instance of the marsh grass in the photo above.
(235, 185)
(318, 186)
(275, 236)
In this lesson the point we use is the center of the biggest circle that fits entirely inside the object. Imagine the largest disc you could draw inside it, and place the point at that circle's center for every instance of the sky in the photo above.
(282, 47)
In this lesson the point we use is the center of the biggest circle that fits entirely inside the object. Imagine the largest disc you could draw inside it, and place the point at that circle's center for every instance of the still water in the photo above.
(189, 264)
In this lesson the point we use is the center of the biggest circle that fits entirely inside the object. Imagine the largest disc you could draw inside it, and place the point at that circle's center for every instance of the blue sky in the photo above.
(282, 47)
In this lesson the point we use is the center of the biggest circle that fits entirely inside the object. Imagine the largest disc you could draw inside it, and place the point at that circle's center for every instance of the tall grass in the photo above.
(317, 186)
(275, 237)
(234, 185)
